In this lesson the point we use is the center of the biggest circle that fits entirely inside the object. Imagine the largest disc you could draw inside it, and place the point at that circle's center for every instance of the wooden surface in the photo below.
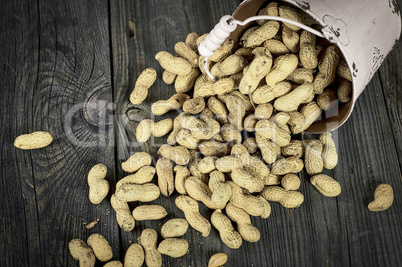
(68, 67)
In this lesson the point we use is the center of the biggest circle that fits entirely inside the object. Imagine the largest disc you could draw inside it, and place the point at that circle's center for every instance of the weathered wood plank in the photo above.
(56, 77)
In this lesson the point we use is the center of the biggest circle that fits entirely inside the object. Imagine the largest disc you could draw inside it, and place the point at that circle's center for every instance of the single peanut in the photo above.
(327, 99)
(270, 130)
(134, 256)
(182, 173)
(135, 192)
(344, 91)
(33, 140)
(80, 251)
(164, 170)
(136, 161)
(312, 157)
(327, 69)
(148, 240)
(194, 105)
(173, 247)
(190, 208)
(184, 50)
(123, 214)
(217, 260)
(294, 148)
(149, 212)
(174, 228)
(146, 128)
(200, 191)
(179, 154)
(168, 77)
(311, 113)
(329, 155)
(283, 66)
(383, 198)
(228, 234)
(290, 182)
(143, 83)
(247, 231)
(288, 199)
(266, 93)
(100, 247)
(176, 65)
(292, 100)
(185, 83)
(287, 165)
(326, 185)
(142, 176)
(98, 186)
(174, 103)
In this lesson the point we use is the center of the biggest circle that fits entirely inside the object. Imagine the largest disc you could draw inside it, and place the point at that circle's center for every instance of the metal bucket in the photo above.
(365, 32)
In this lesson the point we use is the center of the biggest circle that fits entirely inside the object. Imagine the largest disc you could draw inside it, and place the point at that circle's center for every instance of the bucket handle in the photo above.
(227, 25)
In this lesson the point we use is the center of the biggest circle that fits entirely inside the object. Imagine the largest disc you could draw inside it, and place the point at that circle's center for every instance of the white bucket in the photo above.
(365, 32)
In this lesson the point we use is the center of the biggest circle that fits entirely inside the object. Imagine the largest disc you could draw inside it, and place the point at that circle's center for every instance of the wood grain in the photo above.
(71, 63)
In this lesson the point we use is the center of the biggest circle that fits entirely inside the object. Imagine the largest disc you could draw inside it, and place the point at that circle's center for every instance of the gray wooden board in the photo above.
(75, 58)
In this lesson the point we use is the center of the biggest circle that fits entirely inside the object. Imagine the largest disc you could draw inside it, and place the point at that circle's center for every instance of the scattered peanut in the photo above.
(123, 214)
(143, 83)
(174, 228)
(33, 140)
(173, 247)
(383, 198)
(149, 212)
(98, 186)
(229, 236)
(326, 185)
(217, 260)
(148, 240)
(136, 161)
(134, 256)
(81, 252)
(100, 247)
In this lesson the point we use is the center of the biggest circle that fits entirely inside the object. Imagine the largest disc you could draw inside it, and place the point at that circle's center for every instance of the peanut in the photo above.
(221, 191)
(269, 150)
(174, 228)
(136, 161)
(294, 148)
(290, 182)
(223, 51)
(292, 100)
(163, 106)
(281, 119)
(249, 123)
(343, 70)
(329, 155)
(247, 231)
(184, 50)
(223, 86)
(344, 91)
(191, 41)
(253, 205)
(100, 247)
(33, 140)
(113, 264)
(194, 105)
(266, 93)
(148, 240)
(217, 260)
(142, 176)
(288, 199)
(143, 83)
(263, 111)
(301, 75)
(146, 128)
(164, 170)
(123, 214)
(179, 154)
(207, 164)
(272, 179)
(182, 173)
(173, 247)
(327, 69)
(214, 148)
(276, 47)
(283, 66)
(176, 65)
(134, 256)
(246, 100)
(149, 212)
(168, 77)
(290, 39)
(312, 157)
(327, 99)
(263, 33)
(190, 208)
(292, 14)
(198, 190)
(230, 133)
(184, 83)
(237, 111)
(227, 164)
(135, 192)
(81, 252)
(232, 64)
(383, 198)
(219, 109)
(246, 34)
(98, 186)
(228, 234)
(296, 122)
(270, 130)
(195, 158)
(307, 54)
(203, 86)
(287, 165)
(326, 185)
(251, 145)
(258, 69)
(186, 139)
(171, 140)
(311, 113)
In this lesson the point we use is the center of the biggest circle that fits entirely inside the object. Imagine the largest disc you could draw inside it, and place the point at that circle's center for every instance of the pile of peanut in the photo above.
(233, 146)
